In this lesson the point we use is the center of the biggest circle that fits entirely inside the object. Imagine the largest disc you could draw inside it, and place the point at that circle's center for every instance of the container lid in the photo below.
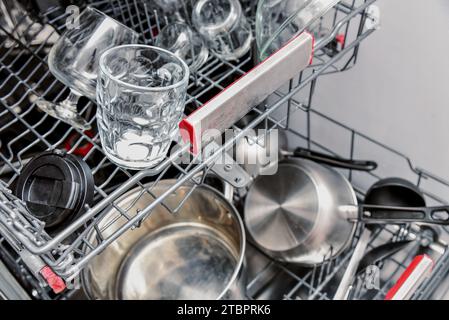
(55, 187)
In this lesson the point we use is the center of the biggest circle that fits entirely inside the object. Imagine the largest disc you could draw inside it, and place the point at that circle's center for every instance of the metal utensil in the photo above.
(351, 269)
(196, 254)
(426, 239)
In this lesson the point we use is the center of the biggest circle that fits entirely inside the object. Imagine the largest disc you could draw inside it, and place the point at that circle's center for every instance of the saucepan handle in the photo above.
(378, 214)
(360, 165)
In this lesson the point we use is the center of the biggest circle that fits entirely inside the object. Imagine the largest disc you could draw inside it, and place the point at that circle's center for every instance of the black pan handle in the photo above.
(360, 165)
(378, 214)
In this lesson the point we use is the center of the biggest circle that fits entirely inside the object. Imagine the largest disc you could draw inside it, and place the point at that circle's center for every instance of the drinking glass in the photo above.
(73, 60)
(180, 39)
(224, 26)
(277, 21)
(141, 94)
(174, 10)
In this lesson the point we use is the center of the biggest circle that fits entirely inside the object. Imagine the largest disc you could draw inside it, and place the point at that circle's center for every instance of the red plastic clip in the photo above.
(340, 38)
(83, 149)
(54, 281)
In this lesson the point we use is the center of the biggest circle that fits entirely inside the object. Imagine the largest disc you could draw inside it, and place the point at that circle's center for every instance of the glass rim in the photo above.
(173, 25)
(102, 67)
(233, 16)
(110, 18)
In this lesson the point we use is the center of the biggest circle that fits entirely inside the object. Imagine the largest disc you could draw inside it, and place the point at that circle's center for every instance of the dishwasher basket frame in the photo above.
(70, 250)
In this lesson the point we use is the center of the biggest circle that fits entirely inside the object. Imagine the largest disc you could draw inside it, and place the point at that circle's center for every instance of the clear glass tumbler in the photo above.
(141, 94)
(224, 26)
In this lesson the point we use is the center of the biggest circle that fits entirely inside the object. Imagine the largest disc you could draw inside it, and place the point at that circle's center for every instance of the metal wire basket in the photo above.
(25, 131)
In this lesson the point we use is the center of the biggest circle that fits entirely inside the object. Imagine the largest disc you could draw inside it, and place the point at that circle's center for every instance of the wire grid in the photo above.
(23, 67)
(27, 77)
(319, 282)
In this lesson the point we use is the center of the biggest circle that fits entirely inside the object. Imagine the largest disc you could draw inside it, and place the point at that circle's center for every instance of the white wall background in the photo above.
(398, 93)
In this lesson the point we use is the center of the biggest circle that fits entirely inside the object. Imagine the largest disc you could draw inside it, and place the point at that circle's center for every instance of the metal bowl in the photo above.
(197, 253)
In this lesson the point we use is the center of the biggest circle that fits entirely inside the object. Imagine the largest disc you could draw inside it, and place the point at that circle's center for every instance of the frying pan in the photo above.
(394, 192)
(399, 199)
(406, 203)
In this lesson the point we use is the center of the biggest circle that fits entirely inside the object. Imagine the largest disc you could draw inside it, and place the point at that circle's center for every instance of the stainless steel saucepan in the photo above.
(293, 215)
(307, 213)
(197, 253)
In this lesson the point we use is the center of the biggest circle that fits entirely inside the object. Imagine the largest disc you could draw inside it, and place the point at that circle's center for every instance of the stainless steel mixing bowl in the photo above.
(197, 253)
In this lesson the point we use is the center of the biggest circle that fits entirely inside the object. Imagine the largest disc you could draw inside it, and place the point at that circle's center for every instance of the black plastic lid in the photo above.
(55, 187)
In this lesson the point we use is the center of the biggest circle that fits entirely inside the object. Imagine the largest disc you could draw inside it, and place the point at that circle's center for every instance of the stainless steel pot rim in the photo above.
(242, 248)
(241, 259)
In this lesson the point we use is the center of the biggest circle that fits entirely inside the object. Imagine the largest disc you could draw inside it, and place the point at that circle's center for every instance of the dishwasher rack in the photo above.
(25, 131)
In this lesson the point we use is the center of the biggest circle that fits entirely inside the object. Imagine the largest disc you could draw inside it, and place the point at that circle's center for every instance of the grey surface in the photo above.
(398, 91)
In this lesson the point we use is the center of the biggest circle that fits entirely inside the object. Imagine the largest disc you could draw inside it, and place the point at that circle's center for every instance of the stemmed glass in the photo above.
(74, 59)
